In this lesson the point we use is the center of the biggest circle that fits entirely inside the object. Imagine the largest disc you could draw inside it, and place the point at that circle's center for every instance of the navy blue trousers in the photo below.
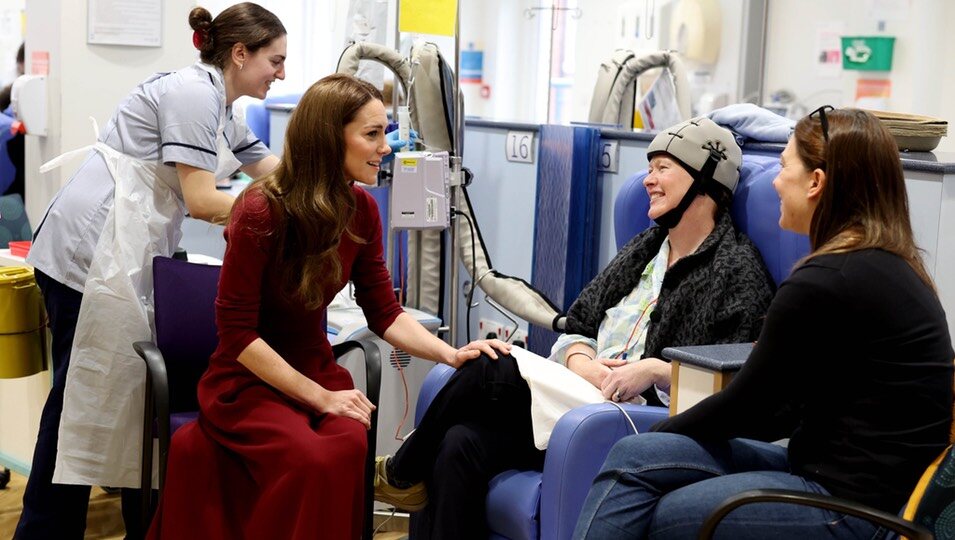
(478, 425)
(59, 510)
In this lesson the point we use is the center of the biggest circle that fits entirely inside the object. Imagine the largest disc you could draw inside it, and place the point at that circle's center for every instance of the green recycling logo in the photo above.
(858, 52)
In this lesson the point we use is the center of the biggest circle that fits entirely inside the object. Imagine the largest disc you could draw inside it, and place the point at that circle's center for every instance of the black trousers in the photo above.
(59, 510)
(478, 425)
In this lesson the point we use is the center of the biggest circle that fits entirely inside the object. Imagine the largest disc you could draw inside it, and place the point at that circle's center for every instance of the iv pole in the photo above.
(455, 176)
(455, 168)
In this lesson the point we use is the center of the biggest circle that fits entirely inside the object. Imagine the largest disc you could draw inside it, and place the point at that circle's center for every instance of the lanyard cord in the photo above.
(623, 354)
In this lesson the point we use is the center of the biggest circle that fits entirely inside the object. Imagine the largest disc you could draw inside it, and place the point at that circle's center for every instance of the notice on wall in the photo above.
(124, 22)
(828, 51)
(428, 16)
(873, 94)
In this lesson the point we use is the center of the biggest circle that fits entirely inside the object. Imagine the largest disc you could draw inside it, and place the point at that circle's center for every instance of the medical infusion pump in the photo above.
(419, 191)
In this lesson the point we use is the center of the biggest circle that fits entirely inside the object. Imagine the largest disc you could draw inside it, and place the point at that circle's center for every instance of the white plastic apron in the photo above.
(100, 434)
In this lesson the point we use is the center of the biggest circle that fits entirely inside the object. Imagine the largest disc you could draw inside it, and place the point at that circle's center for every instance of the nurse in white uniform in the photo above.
(158, 158)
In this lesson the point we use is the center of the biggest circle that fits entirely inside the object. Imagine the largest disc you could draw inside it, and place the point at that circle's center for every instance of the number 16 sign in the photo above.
(519, 146)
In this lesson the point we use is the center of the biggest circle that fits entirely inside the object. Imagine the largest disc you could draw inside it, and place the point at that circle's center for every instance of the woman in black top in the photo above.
(854, 365)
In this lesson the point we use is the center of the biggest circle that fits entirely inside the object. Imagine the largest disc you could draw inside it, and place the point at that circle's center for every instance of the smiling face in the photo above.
(798, 189)
(666, 184)
(365, 143)
(261, 68)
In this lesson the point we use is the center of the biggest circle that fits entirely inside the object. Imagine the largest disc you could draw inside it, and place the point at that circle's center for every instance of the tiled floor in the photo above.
(104, 520)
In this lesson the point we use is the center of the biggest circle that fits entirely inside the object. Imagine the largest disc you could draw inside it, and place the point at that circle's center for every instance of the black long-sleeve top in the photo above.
(854, 364)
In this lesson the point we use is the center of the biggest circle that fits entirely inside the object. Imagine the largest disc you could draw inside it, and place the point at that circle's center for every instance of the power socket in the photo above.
(489, 326)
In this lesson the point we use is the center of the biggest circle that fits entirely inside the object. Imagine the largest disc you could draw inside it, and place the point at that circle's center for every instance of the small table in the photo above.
(700, 371)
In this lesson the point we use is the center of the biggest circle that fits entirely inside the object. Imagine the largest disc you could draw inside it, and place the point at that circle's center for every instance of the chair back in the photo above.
(184, 296)
(14, 224)
(257, 117)
(755, 212)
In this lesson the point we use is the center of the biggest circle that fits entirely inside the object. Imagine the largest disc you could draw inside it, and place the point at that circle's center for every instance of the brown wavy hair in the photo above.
(249, 24)
(308, 191)
(864, 203)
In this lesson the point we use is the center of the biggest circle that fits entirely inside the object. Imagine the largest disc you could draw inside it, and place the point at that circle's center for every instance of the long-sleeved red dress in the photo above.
(259, 464)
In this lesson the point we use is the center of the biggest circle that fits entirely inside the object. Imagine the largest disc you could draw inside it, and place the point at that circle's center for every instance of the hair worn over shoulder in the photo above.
(246, 23)
(309, 194)
(864, 203)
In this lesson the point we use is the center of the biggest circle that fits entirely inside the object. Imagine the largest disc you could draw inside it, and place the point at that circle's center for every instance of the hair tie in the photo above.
(198, 37)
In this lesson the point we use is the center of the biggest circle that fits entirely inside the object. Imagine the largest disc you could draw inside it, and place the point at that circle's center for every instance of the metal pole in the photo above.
(390, 235)
(455, 178)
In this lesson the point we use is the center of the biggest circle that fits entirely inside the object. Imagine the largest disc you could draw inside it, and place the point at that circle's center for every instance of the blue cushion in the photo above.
(513, 504)
(257, 118)
(257, 115)
(433, 382)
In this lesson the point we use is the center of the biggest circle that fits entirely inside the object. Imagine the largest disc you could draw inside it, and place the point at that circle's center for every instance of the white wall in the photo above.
(11, 35)
(923, 70)
(510, 42)
(598, 37)
(88, 80)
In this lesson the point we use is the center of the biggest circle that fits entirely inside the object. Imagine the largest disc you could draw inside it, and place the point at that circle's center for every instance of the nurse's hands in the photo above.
(397, 144)
(629, 381)
(347, 403)
(474, 349)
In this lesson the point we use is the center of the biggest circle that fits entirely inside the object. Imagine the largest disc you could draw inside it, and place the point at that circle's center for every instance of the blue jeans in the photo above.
(664, 485)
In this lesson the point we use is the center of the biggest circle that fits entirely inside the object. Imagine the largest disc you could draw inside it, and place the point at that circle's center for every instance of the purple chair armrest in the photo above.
(578, 446)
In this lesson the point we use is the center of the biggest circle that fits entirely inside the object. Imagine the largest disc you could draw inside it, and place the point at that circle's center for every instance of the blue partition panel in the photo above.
(567, 219)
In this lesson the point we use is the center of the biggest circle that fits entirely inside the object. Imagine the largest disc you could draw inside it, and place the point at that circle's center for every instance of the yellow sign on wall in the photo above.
(428, 16)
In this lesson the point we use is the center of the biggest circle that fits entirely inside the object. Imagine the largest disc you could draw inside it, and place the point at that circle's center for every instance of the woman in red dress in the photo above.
(279, 447)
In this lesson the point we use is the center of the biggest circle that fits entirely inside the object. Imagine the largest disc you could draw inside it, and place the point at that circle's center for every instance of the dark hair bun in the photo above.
(200, 18)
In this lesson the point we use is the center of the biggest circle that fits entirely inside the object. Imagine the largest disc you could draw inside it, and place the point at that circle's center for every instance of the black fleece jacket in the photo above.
(718, 294)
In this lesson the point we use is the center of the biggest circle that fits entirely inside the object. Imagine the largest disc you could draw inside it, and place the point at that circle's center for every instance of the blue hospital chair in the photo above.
(257, 116)
(525, 505)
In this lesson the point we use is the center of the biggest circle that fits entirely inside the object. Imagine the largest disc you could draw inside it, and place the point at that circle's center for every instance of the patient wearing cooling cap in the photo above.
(692, 279)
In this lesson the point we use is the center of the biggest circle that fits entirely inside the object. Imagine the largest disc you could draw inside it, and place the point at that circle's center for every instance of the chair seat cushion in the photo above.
(513, 505)
(177, 420)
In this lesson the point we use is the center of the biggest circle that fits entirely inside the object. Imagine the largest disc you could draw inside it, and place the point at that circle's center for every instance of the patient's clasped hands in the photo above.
(627, 382)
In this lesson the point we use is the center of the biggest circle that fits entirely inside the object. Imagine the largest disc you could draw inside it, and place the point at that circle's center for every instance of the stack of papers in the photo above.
(913, 132)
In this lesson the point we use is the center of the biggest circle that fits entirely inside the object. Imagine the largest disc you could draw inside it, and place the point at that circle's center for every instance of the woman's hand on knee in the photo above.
(347, 403)
(490, 347)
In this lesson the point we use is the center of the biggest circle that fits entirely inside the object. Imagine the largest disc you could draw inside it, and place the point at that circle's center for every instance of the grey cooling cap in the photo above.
(693, 141)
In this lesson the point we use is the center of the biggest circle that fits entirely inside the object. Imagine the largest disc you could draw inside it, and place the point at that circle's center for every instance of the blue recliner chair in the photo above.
(531, 504)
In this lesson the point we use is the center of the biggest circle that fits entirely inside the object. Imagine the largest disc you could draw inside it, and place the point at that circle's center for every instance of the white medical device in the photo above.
(401, 373)
(419, 191)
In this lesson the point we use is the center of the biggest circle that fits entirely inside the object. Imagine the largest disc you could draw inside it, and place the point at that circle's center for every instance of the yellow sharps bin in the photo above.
(22, 324)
